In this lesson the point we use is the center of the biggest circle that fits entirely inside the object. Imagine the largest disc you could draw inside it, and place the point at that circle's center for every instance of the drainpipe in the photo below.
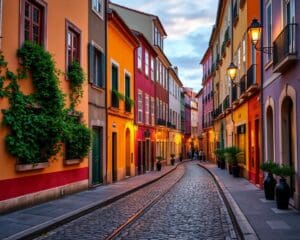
(232, 120)
(261, 89)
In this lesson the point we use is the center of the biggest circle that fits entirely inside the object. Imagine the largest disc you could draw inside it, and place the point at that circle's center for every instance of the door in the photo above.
(114, 157)
(97, 156)
(147, 155)
(127, 153)
(257, 151)
(139, 157)
(152, 155)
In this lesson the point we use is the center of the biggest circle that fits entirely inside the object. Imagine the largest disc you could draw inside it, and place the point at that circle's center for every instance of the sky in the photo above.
(188, 24)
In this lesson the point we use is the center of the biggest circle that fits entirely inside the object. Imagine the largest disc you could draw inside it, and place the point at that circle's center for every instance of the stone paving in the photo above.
(193, 209)
(102, 222)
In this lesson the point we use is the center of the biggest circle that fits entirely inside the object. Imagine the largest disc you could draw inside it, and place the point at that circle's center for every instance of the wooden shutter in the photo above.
(103, 70)
(91, 51)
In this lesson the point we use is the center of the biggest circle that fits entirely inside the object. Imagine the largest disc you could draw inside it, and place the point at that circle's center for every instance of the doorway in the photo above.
(97, 156)
(114, 157)
(127, 153)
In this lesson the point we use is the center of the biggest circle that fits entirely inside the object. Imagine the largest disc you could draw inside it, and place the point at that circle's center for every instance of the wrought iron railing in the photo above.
(251, 76)
(285, 44)
(243, 84)
(234, 93)
(114, 99)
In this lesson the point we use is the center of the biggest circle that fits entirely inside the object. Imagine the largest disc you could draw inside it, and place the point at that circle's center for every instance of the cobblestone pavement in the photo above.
(102, 222)
(193, 209)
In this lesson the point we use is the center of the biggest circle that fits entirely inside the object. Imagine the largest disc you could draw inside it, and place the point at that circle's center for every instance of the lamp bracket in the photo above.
(266, 50)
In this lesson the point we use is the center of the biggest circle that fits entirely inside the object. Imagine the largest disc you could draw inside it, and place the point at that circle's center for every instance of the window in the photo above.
(147, 109)
(96, 66)
(244, 55)
(157, 70)
(152, 111)
(146, 63)
(114, 86)
(73, 44)
(152, 69)
(139, 58)
(140, 106)
(161, 74)
(269, 27)
(127, 93)
(33, 21)
(98, 7)
(157, 107)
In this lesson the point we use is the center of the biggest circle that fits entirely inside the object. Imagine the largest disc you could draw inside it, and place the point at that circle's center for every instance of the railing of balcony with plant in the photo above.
(234, 93)
(128, 104)
(285, 44)
(251, 76)
(226, 103)
(225, 41)
(115, 98)
(235, 11)
(160, 122)
(243, 84)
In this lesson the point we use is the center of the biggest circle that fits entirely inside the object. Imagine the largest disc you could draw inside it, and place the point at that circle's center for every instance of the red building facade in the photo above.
(145, 57)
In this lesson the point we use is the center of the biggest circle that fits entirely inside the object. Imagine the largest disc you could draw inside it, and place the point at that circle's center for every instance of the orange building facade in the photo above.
(120, 95)
(51, 24)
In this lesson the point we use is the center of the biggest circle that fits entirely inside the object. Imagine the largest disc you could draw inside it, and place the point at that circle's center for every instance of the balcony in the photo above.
(234, 95)
(284, 49)
(235, 13)
(114, 99)
(243, 86)
(160, 122)
(251, 79)
(226, 104)
(128, 103)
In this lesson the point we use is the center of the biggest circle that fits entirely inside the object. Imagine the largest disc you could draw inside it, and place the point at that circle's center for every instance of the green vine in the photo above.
(38, 122)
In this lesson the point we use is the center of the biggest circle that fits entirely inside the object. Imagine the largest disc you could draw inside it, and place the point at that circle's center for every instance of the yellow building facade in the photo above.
(120, 95)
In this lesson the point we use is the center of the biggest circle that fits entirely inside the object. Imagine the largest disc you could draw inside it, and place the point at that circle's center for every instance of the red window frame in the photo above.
(73, 44)
(33, 21)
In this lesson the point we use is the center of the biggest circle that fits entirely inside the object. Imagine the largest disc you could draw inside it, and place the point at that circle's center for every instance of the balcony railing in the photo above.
(235, 10)
(114, 99)
(226, 103)
(160, 122)
(128, 105)
(243, 84)
(251, 76)
(233, 93)
(284, 47)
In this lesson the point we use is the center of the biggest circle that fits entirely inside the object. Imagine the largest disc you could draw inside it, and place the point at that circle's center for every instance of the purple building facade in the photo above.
(281, 87)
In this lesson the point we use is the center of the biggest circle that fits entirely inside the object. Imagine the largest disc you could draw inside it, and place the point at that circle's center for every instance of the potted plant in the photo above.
(270, 181)
(172, 159)
(282, 190)
(220, 158)
(231, 158)
(158, 162)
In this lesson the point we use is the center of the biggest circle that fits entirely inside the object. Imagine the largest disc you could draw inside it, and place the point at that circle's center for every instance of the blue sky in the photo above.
(188, 24)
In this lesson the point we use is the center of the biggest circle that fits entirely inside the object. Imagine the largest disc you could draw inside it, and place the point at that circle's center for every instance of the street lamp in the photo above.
(232, 72)
(255, 31)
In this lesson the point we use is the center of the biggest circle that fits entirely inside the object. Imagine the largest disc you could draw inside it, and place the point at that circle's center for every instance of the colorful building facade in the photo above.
(120, 94)
(96, 90)
(145, 75)
(281, 88)
(26, 185)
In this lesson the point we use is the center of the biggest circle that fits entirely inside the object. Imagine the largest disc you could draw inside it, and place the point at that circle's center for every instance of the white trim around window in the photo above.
(96, 4)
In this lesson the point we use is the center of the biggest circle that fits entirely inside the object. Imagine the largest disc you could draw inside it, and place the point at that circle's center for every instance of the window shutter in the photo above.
(103, 70)
(91, 62)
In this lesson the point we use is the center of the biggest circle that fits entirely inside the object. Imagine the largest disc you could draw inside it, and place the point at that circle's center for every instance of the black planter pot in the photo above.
(269, 186)
(236, 171)
(222, 164)
(218, 163)
(282, 194)
(180, 159)
(172, 161)
(158, 166)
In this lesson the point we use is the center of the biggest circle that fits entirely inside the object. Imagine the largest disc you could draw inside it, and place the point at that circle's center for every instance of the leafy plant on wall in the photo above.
(39, 122)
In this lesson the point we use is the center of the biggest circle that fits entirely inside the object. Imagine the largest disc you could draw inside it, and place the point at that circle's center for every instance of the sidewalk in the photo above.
(33, 220)
(257, 217)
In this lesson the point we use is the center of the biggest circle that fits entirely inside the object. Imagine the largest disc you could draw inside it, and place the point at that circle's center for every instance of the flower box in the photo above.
(31, 166)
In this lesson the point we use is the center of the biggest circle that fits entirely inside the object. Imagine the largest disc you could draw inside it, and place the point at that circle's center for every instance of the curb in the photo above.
(241, 223)
(63, 219)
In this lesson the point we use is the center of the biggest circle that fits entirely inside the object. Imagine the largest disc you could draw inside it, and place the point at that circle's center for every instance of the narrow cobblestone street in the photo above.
(192, 209)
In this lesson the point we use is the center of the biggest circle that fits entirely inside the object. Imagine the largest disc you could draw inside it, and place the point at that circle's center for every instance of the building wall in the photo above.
(57, 178)
(121, 53)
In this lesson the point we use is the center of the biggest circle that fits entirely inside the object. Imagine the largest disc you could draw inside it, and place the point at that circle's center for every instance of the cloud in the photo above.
(188, 24)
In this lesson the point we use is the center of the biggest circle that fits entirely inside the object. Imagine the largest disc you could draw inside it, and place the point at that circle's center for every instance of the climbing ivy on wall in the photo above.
(40, 122)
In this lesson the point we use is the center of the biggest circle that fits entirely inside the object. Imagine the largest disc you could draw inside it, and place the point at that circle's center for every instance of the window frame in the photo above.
(152, 64)
(152, 111)
(99, 14)
(139, 58)
(44, 7)
(146, 62)
(70, 26)
(269, 34)
(140, 107)
(147, 109)
(96, 49)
